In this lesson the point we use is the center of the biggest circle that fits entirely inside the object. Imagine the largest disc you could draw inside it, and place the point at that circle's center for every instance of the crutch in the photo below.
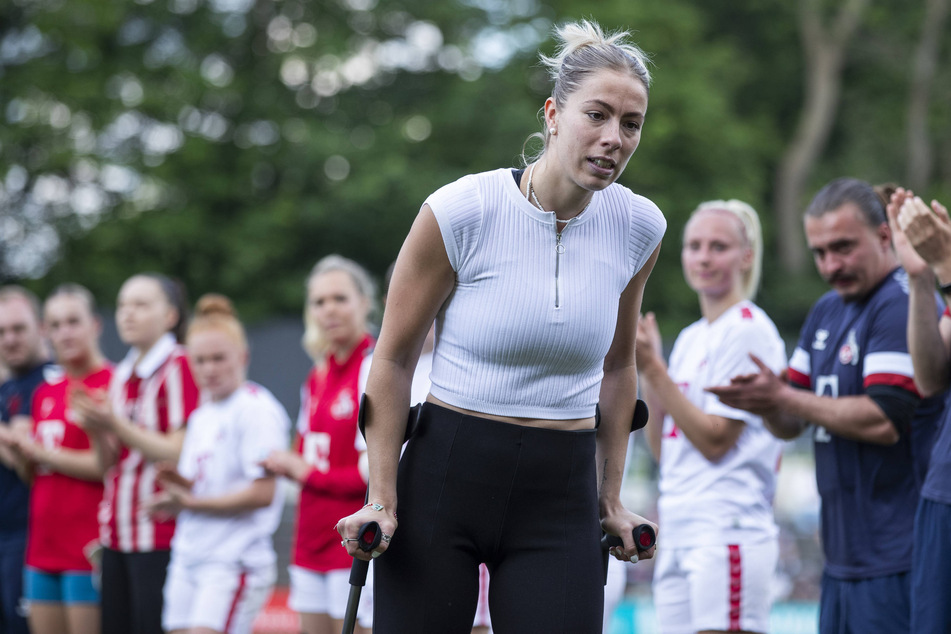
(644, 535)
(370, 534)
(367, 539)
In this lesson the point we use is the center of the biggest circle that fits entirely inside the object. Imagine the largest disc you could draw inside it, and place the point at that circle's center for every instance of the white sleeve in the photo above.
(186, 460)
(733, 358)
(264, 428)
(458, 210)
(648, 226)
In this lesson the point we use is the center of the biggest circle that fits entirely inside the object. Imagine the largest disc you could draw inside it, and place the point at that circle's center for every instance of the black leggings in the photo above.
(132, 591)
(521, 499)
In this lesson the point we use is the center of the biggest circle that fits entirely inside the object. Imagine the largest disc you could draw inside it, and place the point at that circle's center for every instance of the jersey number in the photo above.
(826, 385)
(317, 450)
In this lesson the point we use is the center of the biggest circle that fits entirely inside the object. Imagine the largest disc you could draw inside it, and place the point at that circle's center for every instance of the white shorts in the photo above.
(219, 596)
(327, 593)
(714, 587)
(614, 590)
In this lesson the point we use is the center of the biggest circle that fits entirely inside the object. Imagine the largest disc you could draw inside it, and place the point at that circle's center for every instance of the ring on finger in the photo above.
(386, 538)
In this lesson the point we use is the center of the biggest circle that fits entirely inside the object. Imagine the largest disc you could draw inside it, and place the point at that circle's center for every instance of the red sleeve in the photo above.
(345, 481)
(178, 396)
(190, 393)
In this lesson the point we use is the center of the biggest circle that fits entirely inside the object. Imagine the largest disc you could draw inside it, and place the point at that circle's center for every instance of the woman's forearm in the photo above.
(617, 400)
(258, 494)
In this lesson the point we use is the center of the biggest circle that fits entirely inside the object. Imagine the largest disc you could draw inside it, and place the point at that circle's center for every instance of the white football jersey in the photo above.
(728, 501)
(224, 446)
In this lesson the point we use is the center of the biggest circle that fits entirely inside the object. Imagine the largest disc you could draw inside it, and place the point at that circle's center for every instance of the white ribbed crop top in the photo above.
(525, 330)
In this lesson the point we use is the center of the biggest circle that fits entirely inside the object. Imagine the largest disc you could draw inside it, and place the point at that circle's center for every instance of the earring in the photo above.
(551, 131)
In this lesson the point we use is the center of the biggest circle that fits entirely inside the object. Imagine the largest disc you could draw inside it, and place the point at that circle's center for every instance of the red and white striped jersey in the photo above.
(158, 393)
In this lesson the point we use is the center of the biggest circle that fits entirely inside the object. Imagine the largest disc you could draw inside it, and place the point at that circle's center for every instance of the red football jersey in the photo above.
(327, 431)
(62, 508)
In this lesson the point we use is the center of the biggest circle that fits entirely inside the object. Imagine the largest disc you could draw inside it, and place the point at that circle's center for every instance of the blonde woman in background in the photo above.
(326, 461)
(718, 464)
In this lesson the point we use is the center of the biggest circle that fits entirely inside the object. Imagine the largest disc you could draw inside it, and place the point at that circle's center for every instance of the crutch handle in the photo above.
(369, 536)
(644, 538)
(367, 539)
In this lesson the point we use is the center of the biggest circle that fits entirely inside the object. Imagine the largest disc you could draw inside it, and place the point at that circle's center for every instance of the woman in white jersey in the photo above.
(223, 562)
(534, 279)
(717, 464)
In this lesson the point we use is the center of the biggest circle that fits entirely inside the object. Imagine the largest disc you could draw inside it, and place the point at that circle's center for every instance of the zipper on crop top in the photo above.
(559, 249)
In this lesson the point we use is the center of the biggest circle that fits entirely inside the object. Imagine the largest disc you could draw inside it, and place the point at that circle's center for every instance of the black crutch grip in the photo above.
(367, 539)
(644, 538)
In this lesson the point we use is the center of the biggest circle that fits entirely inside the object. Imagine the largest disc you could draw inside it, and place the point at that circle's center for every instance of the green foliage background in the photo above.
(247, 213)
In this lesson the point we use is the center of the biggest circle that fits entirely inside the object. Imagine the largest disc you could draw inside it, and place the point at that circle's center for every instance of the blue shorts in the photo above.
(931, 568)
(880, 605)
(58, 587)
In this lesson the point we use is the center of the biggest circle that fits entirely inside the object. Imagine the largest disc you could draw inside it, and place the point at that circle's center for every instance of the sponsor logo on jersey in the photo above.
(819, 343)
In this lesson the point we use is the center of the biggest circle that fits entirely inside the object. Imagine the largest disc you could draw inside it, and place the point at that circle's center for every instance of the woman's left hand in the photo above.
(623, 524)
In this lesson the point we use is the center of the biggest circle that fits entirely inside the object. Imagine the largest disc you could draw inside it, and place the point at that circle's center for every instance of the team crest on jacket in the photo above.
(849, 352)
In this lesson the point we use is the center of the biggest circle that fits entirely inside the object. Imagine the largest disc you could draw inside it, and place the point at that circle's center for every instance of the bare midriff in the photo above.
(566, 424)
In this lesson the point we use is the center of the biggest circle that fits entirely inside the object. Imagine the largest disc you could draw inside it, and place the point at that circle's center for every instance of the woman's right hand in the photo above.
(349, 529)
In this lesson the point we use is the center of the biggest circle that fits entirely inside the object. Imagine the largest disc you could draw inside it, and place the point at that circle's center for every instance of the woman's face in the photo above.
(143, 313)
(715, 255)
(218, 362)
(71, 328)
(598, 127)
(336, 306)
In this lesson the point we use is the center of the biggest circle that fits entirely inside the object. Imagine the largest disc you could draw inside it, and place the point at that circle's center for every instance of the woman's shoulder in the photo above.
(623, 198)
(470, 189)
(255, 399)
(749, 322)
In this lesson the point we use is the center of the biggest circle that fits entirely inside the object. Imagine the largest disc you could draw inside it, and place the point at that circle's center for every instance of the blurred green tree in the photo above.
(231, 143)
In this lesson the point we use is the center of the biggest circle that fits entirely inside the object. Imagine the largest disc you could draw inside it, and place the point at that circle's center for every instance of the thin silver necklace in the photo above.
(534, 198)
